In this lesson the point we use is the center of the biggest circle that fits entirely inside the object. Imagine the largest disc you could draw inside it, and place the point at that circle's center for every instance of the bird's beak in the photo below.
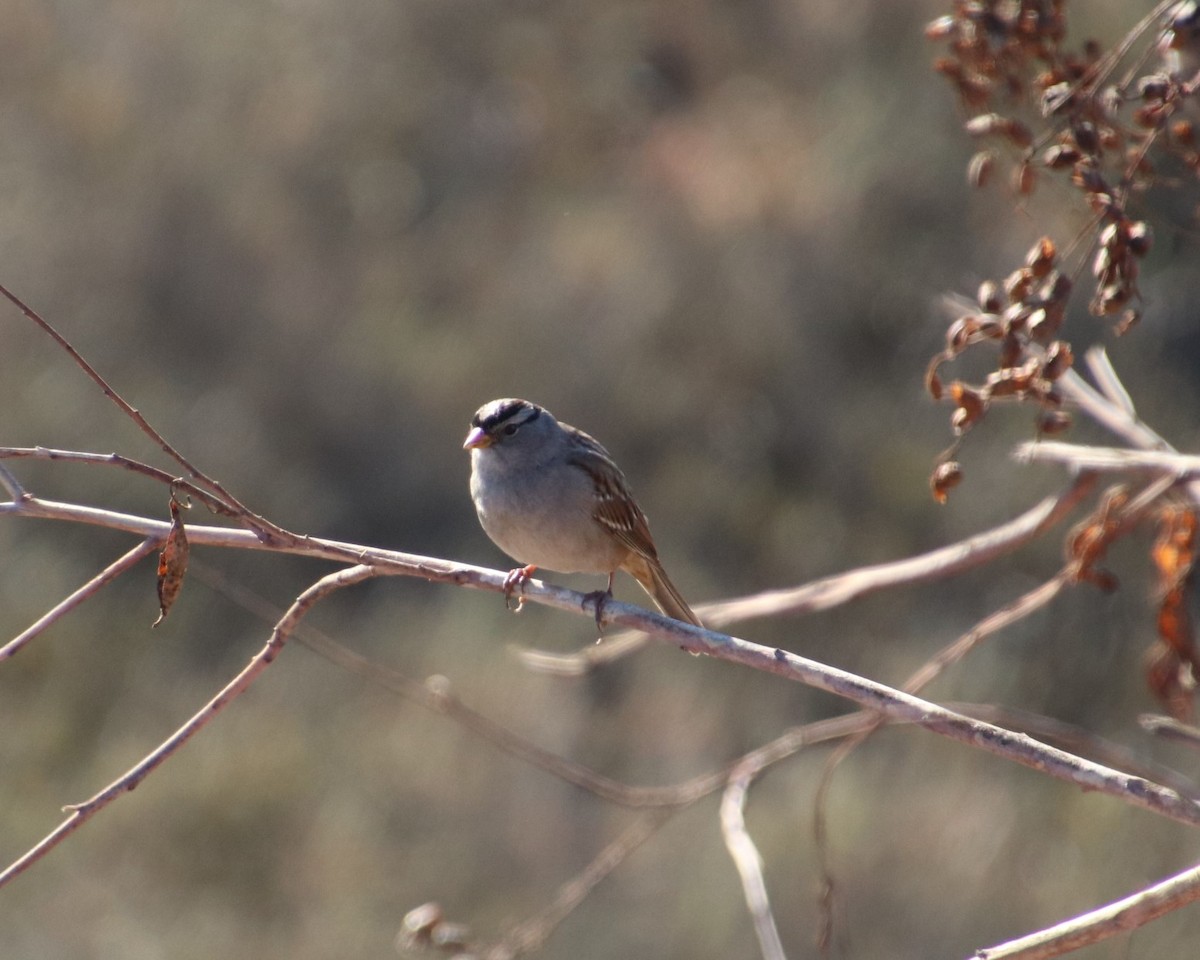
(477, 439)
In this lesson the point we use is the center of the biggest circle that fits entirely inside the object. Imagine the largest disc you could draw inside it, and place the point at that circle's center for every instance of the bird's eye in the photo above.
(510, 429)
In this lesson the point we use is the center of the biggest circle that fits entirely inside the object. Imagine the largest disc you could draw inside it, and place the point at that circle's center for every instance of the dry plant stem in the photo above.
(81, 812)
(1106, 922)
(1007, 615)
(1084, 743)
(1112, 413)
(11, 484)
(1109, 459)
(1170, 729)
(956, 558)
(968, 554)
(1014, 612)
(179, 485)
(749, 864)
(531, 934)
(867, 693)
(65, 606)
(264, 528)
(436, 695)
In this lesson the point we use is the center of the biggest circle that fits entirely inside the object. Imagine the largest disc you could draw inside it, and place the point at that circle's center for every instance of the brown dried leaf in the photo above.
(172, 563)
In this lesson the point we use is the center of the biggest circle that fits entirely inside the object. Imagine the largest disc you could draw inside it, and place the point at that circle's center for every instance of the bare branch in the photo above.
(81, 812)
(867, 693)
(263, 527)
(435, 694)
(828, 592)
(1109, 459)
(61, 609)
(179, 484)
(1115, 415)
(1170, 729)
(749, 864)
(1106, 922)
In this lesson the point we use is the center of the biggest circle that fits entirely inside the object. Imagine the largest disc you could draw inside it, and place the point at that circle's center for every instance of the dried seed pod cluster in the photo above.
(1020, 318)
(1008, 56)
(1059, 114)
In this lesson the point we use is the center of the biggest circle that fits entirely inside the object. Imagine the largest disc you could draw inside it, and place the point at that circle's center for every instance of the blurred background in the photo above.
(307, 240)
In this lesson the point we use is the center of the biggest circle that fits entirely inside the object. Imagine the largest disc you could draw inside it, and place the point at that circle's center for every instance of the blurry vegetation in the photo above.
(308, 240)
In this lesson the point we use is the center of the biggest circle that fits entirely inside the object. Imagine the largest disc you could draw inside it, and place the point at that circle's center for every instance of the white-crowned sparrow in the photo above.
(550, 496)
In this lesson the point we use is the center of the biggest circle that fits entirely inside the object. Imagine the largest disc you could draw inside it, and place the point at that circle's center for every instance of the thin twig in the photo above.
(69, 603)
(998, 620)
(177, 484)
(1109, 921)
(993, 622)
(828, 592)
(11, 484)
(867, 693)
(1168, 728)
(1114, 416)
(749, 864)
(529, 935)
(81, 812)
(435, 694)
(260, 525)
(1109, 459)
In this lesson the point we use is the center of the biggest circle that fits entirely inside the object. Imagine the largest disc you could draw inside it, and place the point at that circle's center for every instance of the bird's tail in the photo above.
(654, 581)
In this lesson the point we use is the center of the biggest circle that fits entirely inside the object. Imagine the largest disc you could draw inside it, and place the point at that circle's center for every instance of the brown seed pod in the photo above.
(1085, 135)
(985, 125)
(1040, 258)
(1129, 319)
(945, 478)
(1055, 290)
(1056, 98)
(1140, 238)
(1024, 178)
(1059, 360)
(941, 28)
(1018, 284)
(988, 296)
(1060, 156)
(980, 169)
(1043, 324)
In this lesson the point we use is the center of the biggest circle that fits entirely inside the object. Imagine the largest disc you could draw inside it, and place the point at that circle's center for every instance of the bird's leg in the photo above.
(516, 580)
(600, 598)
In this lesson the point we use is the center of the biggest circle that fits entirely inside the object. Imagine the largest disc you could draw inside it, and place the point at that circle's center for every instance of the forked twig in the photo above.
(263, 527)
(1013, 612)
(80, 813)
(435, 694)
(178, 484)
(867, 693)
(69, 603)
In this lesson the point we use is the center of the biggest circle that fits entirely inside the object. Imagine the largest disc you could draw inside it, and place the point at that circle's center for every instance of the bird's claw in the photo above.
(600, 598)
(515, 581)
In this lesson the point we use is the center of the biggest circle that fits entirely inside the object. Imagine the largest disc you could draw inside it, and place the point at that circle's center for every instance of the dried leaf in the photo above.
(1174, 664)
(172, 563)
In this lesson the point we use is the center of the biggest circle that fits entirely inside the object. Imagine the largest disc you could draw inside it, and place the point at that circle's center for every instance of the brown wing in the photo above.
(615, 506)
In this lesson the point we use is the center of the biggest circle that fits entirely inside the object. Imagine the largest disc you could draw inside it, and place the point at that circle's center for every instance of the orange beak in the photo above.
(477, 439)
